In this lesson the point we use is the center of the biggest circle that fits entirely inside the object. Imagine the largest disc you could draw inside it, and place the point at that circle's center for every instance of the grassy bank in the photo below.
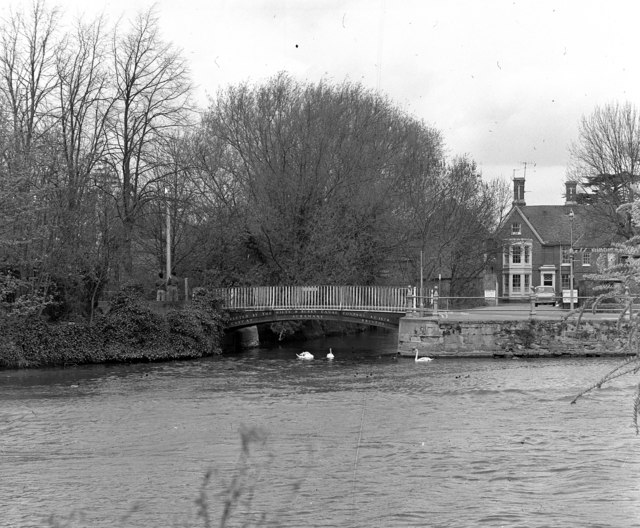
(129, 332)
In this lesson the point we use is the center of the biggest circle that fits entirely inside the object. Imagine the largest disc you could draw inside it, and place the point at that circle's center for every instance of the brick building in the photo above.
(538, 241)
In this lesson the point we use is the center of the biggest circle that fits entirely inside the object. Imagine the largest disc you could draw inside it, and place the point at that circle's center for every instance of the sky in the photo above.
(506, 82)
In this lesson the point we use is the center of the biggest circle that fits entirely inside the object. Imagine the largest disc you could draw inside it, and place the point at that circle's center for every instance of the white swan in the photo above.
(422, 359)
(305, 355)
(330, 354)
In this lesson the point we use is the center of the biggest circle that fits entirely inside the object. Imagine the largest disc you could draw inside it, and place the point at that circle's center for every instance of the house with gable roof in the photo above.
(539, 242)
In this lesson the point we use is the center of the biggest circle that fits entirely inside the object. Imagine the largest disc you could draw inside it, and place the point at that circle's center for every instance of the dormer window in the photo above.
(516, 229)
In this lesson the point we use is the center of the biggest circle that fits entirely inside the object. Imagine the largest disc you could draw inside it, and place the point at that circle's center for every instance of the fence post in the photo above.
(435, 300)
(532, 306)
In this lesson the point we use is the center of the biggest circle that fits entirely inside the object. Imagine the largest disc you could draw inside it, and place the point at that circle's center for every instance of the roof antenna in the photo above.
(525, 163)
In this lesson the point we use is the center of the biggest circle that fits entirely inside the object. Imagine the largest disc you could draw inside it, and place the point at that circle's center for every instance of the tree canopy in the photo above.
(329, 183)
(281, 182)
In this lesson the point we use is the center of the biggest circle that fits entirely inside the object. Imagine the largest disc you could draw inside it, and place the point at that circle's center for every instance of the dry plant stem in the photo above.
(238, 484)
(355, 463)
(636, 407)
(617, 372)
(631, 366)
(202, 502)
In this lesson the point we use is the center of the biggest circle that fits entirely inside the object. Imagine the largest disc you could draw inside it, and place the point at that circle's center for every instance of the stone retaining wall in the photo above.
(527, 338)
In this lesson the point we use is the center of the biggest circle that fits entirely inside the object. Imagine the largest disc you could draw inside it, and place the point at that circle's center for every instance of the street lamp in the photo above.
(571, 261)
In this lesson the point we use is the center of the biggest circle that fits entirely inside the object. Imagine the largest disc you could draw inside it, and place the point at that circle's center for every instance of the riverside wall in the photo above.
(436, 337)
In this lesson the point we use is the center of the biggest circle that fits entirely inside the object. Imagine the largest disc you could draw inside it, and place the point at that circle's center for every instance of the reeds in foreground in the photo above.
(232, 506)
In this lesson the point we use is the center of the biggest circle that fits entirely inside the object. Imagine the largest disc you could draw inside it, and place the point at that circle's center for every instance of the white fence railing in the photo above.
(364, 298)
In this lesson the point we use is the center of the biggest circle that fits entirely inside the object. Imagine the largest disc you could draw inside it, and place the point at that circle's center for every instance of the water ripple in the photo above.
(362, 441)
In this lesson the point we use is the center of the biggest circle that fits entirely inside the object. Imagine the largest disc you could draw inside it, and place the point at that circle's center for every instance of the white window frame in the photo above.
(516, 228)
(586, 257)
(548, 273)
(516, 249)
(518, 288)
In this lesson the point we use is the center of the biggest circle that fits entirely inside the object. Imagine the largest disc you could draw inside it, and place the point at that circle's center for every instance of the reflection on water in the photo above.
(363, 440)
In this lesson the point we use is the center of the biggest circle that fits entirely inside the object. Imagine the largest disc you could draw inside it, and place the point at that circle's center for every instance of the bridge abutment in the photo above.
(444, 337)
(422, 333)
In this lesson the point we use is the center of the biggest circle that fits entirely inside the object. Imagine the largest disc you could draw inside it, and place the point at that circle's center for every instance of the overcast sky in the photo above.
(505, 81)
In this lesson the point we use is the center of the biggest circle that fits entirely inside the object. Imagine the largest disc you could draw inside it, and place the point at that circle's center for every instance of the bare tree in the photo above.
(83, 107)
(28, 71)
(27, 79)
(469, 211)
(150, 103)
(606, 161)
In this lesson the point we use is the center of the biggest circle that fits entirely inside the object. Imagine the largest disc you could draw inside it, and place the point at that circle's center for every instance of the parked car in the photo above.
(544, 295)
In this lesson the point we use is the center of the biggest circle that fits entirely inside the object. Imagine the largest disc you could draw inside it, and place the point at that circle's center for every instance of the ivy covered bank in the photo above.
(129, 332)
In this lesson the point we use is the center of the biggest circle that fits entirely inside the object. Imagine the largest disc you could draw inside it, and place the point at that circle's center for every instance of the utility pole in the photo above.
(168, 271)
(421, 281)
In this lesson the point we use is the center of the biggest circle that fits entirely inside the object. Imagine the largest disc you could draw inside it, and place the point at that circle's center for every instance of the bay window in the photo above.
(516, 267)
(516, 254)
(515, 283)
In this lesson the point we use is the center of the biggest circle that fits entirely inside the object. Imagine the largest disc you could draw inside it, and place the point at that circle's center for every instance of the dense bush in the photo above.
(130, 331)
(186, 330)
(31, 342)
(213, 316)
(10, 351)
(198, 326)
(132, 324)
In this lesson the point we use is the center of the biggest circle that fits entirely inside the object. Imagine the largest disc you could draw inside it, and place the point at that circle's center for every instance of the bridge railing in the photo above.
(364, 298)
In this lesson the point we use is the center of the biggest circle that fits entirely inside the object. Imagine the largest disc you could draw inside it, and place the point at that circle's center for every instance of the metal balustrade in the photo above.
(317, 298)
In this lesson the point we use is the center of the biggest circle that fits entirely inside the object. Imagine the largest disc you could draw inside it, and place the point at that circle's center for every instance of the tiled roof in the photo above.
(553, 224)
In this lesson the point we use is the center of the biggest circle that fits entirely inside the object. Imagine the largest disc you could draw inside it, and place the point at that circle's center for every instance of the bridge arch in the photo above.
(242, 319)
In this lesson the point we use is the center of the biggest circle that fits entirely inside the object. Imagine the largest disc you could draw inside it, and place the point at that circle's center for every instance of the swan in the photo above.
(305, 355)
(330, 354)
(422, 359)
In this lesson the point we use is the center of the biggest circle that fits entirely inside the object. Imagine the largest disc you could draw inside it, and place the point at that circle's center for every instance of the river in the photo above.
(366, 440)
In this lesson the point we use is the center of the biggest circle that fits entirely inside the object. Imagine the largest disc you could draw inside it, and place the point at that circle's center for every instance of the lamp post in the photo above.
(571, 261)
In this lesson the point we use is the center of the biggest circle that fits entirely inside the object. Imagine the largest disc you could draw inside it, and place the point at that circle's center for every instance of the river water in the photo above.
(365, 440)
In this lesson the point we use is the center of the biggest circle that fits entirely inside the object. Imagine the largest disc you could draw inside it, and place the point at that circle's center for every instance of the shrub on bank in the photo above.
(130, 331)
(32, 342)
(131, 323)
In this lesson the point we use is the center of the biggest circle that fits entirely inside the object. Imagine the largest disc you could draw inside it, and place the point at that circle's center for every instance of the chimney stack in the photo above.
(570, 195)
(518, 190)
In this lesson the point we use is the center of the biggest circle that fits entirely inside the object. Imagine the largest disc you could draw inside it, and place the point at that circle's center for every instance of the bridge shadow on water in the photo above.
(366, 346)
